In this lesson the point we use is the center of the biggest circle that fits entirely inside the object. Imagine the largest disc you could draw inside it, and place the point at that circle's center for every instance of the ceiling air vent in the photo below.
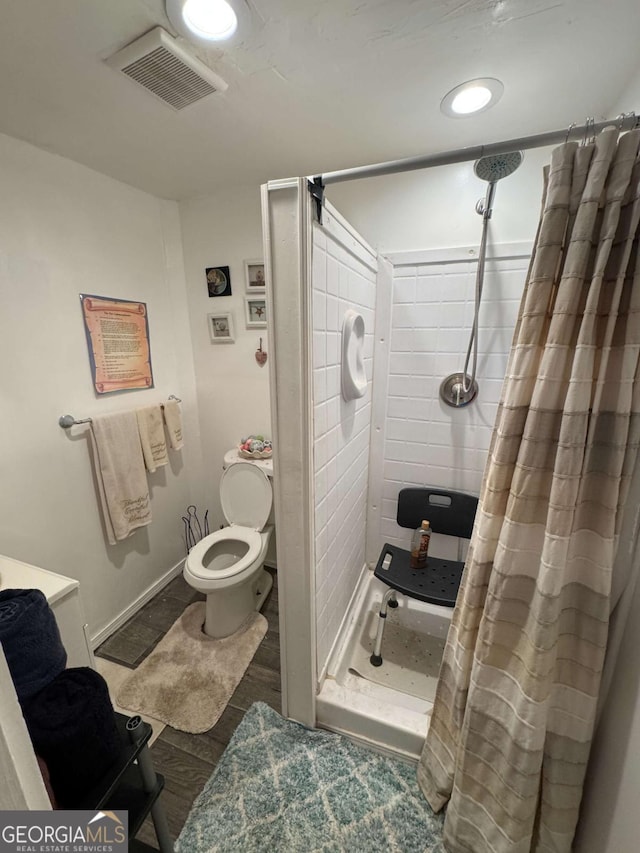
(167, 70)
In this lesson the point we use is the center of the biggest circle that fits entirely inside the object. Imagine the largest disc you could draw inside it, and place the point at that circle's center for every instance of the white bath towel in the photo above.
(151, 429)
(173, 420)
(122, 480)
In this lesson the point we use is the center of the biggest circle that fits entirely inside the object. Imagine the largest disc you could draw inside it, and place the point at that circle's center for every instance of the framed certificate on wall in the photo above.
(117, 333)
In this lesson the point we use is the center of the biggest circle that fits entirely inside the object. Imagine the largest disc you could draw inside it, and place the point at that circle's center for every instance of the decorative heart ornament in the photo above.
(261, 356)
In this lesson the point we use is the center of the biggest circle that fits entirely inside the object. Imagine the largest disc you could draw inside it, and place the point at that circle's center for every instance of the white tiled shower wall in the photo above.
(343, 276)
(426, 442)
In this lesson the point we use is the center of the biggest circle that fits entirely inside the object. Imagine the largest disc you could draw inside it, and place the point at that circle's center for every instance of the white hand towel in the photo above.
(173, 420)
(122, 480)
(151, 429)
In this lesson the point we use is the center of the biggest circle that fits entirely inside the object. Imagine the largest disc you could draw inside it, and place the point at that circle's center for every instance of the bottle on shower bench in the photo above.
(420, 546)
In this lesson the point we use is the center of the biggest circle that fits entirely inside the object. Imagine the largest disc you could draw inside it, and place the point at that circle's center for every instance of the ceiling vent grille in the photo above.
(157, 62)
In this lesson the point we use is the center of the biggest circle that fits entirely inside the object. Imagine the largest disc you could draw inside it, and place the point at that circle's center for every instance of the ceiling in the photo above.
(315, 86)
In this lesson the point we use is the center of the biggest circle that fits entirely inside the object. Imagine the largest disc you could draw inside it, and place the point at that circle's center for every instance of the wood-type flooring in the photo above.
(187, 761)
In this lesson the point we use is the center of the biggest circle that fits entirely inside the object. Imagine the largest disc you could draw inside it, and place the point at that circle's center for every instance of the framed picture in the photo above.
(254, 276)
(255, 312)
(218, 281)
(221, 328)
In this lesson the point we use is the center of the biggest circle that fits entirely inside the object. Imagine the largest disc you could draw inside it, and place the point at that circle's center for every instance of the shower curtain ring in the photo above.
(569, 129)
(588, 124)
(622, 118)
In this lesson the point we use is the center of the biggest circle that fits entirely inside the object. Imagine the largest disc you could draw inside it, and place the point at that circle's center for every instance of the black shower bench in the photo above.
(451, 513)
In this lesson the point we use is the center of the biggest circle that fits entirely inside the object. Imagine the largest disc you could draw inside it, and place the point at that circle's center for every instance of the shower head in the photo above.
(493, 169)
(498, 166)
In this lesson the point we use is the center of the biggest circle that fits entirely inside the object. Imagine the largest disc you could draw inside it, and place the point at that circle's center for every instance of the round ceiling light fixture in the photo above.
(207, 21)
(472, 97)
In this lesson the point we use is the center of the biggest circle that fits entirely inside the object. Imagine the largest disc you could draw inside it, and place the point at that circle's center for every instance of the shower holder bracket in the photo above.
(316, 189)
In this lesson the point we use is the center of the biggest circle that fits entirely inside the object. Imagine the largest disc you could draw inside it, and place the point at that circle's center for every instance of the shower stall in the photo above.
(341, 464)
(510, 686)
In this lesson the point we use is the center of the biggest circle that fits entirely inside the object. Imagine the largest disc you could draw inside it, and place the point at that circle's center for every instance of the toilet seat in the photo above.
(236, 532)
(246, 497)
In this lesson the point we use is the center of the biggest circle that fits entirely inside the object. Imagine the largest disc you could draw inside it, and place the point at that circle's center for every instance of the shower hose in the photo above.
(473, 338)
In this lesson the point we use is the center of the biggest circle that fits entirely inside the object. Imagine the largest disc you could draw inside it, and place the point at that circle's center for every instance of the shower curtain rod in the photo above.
(626, 121)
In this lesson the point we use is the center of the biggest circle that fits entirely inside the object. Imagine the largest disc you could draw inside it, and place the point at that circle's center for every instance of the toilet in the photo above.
(228, 565)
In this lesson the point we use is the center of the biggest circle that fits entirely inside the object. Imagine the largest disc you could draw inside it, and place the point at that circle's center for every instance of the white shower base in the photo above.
(386, 707)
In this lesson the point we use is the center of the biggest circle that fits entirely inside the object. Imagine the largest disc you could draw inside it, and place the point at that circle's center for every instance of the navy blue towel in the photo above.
(73, 728)
(31, 640)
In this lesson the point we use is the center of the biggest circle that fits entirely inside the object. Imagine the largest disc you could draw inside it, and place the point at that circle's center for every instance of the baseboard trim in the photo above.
(141, 600)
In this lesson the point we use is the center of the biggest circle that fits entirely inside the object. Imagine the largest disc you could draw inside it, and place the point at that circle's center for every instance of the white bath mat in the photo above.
(188, 679)
(410, 659)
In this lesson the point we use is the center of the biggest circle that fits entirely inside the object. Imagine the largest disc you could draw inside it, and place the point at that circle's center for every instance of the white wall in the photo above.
(435, 208)
(67, 230)
(233, 391)
(343, 277)
(609, 819)
(426, 442)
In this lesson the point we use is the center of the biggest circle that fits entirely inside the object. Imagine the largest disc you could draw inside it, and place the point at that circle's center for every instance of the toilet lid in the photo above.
(246, 495)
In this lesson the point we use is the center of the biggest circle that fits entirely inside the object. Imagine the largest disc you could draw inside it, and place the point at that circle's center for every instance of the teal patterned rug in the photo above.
(282, 787)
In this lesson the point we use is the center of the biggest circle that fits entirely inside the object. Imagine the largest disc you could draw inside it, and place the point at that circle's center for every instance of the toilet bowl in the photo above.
(228, 565)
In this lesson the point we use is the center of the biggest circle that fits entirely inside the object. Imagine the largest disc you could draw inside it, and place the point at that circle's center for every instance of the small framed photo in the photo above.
(254, 276)
(218, 281)
(221, 328)
(255, 312)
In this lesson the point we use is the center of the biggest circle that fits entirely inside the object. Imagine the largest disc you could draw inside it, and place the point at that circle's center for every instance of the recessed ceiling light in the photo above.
(472, 97)
(206, 20)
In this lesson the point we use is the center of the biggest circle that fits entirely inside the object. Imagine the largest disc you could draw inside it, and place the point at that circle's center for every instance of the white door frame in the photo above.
(286, 220)
(21, 785)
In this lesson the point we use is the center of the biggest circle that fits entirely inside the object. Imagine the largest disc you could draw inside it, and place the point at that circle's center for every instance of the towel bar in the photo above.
(66, 421)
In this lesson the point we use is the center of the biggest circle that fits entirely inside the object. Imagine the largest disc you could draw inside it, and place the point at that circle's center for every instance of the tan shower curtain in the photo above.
(514, 712)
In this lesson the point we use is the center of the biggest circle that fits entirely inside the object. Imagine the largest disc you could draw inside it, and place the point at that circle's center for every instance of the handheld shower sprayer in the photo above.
(492, 170)
(459, 389)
